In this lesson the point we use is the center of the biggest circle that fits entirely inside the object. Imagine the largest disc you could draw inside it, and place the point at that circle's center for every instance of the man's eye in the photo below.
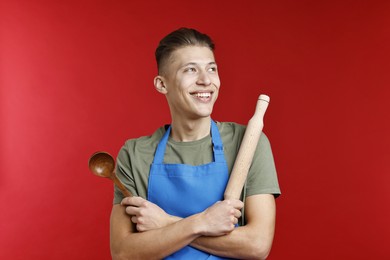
(190, 70)
(213, 69)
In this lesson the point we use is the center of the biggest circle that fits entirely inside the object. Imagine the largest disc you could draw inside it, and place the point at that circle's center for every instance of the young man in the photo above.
(178, 174)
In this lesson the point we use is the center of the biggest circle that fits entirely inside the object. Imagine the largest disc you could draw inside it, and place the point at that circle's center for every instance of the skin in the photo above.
(140, 229)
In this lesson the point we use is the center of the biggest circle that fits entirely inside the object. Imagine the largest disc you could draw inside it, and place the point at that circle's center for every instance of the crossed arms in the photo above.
(140, 229)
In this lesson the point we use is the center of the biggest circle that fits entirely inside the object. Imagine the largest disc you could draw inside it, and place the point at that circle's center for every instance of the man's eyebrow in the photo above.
(195, 63)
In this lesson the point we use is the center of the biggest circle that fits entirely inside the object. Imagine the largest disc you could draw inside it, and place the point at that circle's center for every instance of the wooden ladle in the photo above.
(102, 164)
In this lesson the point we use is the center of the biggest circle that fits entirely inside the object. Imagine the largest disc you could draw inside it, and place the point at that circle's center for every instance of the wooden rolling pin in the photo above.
(247, 150)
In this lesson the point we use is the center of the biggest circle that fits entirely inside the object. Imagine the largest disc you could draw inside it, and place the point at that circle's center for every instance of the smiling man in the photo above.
(179, 173)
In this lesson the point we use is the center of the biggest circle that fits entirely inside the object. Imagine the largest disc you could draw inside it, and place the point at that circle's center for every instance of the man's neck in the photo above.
(190, 130)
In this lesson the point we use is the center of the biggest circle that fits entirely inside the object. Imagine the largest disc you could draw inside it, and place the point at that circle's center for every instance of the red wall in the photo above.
(76, 77)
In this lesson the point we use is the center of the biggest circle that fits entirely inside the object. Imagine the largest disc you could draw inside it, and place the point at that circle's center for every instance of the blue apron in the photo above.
(183, 190)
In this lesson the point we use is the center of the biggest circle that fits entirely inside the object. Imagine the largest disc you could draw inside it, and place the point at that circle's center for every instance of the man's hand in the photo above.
(145, 214)
(221, 218)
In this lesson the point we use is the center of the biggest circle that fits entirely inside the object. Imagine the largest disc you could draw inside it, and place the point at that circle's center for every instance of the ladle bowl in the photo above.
(102, 164)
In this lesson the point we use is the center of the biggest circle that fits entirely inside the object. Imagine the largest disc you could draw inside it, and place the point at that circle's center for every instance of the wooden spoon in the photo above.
(102, 164)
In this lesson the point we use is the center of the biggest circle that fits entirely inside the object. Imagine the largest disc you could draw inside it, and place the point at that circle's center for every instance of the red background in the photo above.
(76, 77)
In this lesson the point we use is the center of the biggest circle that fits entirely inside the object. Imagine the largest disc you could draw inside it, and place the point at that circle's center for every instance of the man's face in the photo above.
(192, 82)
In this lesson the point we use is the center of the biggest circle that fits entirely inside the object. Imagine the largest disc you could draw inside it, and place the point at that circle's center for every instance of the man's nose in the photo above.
(203, 78)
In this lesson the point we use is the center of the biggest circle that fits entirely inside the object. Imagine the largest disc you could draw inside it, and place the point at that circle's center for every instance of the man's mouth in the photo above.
(202, 95)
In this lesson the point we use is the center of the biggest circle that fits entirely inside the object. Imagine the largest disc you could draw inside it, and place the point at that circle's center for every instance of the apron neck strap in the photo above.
(215, 138)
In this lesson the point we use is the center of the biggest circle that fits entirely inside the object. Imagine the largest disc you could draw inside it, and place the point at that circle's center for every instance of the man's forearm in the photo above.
(239, 244)
(252, 241)
(153, 244)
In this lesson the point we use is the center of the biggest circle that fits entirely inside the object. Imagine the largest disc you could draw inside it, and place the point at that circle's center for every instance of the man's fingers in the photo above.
(237, 213)
(130, 210)
(238, 204)
(133, 201)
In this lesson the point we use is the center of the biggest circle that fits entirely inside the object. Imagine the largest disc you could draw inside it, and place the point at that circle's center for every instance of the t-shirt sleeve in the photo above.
(262, 177)
(124, 173)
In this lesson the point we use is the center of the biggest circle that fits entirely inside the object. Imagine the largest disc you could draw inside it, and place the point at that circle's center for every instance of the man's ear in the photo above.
(160, 85)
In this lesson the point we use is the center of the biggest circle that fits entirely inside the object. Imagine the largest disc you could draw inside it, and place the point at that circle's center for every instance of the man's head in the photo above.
(188, 74)
(182, 37)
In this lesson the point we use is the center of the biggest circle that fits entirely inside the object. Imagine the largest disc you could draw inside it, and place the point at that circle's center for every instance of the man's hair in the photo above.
(177, 39)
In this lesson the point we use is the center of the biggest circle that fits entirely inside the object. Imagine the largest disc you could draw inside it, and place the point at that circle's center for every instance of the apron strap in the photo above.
(215, 138)
(217, 143)
(159, 155)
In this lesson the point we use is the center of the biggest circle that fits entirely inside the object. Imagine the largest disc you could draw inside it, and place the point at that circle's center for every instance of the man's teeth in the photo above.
(202, 95)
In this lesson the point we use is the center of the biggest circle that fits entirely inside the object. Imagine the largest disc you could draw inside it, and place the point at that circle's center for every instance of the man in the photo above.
(178, 174)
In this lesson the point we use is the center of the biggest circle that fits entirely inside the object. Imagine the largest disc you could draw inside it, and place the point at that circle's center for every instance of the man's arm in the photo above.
(252, 241)
(127, 243)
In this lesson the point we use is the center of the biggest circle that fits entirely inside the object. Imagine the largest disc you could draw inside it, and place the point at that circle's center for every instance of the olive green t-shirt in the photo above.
(136, 156)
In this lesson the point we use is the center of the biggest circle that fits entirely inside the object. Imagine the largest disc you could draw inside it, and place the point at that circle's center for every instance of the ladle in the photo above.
(102, 164)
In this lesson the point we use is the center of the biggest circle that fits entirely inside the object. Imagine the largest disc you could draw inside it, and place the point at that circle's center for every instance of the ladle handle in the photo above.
(118, 183)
